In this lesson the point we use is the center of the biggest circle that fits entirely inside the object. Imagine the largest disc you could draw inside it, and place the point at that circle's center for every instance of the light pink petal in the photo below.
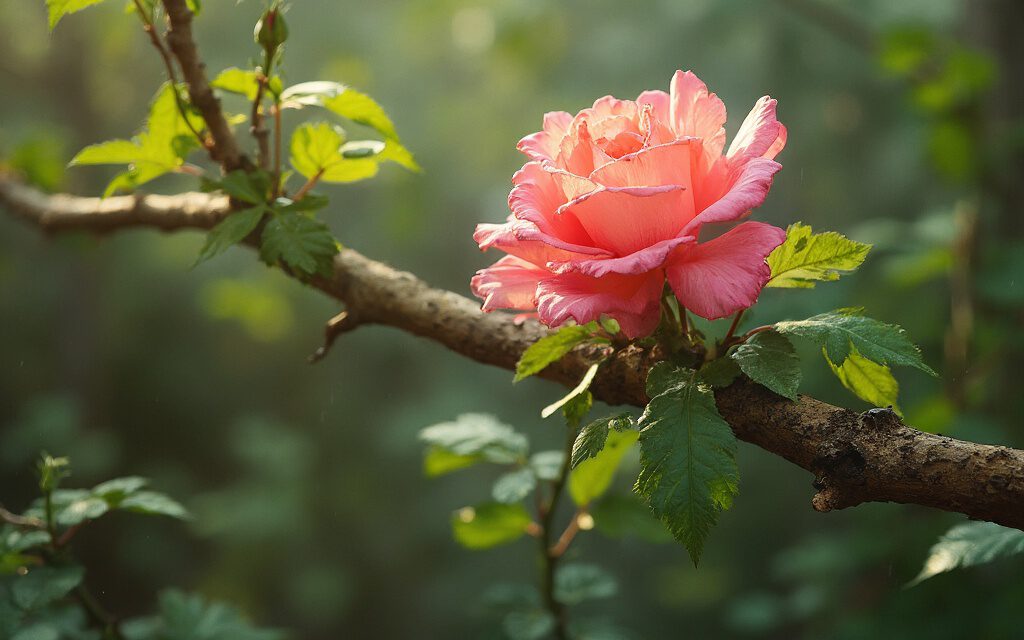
(659, 101)
(537, 195)
(544, 144)
(760, 135)
(748, 186)
(624, 220)
(509, 283)
(717, 278)
(634, 301)
(654, 166)
(523, 239)
(578, 152)
(611, 106)
(642, 261)
(696, 112)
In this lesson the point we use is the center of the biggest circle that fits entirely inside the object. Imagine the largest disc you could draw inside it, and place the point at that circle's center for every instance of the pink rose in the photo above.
(612, 204)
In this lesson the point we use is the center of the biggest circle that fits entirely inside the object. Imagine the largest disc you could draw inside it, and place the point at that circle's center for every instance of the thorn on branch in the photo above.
(339, 324)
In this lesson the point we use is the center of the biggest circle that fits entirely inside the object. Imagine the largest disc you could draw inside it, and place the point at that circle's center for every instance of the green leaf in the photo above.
(247, 187)
(577, 391)
(591, 439)
(60, 8)
(592, 477)
(110, 152)
(113, 491)
(438, 462)
(230, 231)
(970, 544)
(805, 257)
(550, 348)
(843, 330)
(688, 471)
(155, 504)
(719, 373)
(576, 583)
(86, 507)
(41, 586)
(189, 617)
(547, 465)
(869, 381)
(577, 408)
(532, 624)
(235, 80)
(316, 149)
(620, 516)
(489, 524)
(514, 486)
(302, 243)
(769, 359)
(663, 376)
(478, 434)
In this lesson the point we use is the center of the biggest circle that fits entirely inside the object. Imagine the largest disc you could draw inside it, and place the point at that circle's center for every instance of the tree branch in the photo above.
(855, 458)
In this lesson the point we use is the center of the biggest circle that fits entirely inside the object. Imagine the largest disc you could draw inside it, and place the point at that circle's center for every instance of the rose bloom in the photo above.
(613, 201)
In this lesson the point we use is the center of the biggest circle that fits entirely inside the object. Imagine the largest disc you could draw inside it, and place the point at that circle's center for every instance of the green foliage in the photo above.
(688, 471)
(319, 150)
(514, 485)
(532, 624)
(60, 8)
(719, 372)
(576, 583)
(490, 524)
(230, 231)
(39, 587)
(580, 390)
(591, 439)
(869, 381)
(72, 507)
(160, 148)
(351, 105)
(551, 348)
(593, 475)
(970, 544)
(302, 243)
(620, 516)
(547, 465)
(476, 437)
(243, 82)
(843, 330)
(769, 359)
(185, 616)
(805, 257)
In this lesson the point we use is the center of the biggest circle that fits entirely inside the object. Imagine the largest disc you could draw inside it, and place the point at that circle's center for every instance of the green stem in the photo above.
(549, 553)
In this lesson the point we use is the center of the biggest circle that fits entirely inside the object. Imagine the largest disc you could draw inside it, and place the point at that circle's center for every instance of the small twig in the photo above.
(301, 193)
(746, 336)
(339, 324)
(21, 521)
(66, 537)
(564, 540)
(732, 327)
(549, 557)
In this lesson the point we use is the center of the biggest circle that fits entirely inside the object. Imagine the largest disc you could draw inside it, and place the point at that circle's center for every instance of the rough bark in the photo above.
(855, 458)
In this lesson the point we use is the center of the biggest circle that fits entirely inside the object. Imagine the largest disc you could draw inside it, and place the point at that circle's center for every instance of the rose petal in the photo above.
(537, 195)
(760, 135)
(748, 187)
(544, 144)
(642, 261)
(634, 301)
(696, 112)
(716, 278)
(523, 239)
(509, 283)
(624, 220)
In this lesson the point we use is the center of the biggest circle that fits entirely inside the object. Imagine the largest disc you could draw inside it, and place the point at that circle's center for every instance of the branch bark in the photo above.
(855, 458)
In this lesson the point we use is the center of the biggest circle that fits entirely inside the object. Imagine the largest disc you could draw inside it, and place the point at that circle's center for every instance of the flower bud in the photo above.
(271, 30)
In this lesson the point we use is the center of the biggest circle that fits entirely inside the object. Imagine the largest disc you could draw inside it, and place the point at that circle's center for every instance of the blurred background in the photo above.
(906, 130)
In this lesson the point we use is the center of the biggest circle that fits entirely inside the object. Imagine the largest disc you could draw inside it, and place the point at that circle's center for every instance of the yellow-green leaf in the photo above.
(805, 257)
(60, 8)
(869, 381)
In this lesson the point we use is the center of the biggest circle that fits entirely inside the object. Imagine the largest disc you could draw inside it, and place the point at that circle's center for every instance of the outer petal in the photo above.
(642, 261)
(624, 220)
(748, 187)
(509, 283)
(544, 144)
(654, 166)
(696, 112)
(538, 193)
(660, 103)
(523, 239)
(760, 135)
(716, 278)
(634, 301)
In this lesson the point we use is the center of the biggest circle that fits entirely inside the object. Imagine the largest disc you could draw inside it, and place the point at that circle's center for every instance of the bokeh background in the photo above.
(312, 514)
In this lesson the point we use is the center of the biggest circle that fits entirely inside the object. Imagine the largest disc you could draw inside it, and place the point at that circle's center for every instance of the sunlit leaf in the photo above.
(869, 381)
(316, 150)
(490, 524)
(577, 391)
(230, 231)
(549, 349)
(60, 8)
(592, 476)
(478, 434)
(514, 486)
(970, 544)
(805, 257)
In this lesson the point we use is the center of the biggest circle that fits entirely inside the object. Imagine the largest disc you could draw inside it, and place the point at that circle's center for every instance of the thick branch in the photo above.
(856, 458)
(179, 38)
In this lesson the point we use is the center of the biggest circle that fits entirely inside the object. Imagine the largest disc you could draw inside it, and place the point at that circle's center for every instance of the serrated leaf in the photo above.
(577, 391)
(869, 381)
(478, 434)
(514, 486)
(805, 257)
(110, 152)
(592, 477)
(547, 465)
(550, 348)
(688, 471)
(769, 359)
(970, 544)
(719, 373)
(316, 150)
(41, 586)
(439, 461)
(843, 330)
(489, 524)
(591, 439)
(663, 376)
(576, 583)
(302, 243)
(60, 8)
(154, 504)
(577, 408)
(229, 232)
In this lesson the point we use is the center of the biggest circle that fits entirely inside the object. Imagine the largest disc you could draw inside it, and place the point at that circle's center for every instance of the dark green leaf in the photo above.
(769, 359)
(575, 583)
(41, 586)
(489, 524)
(477, 434)
(719, 373)
(189, 617)
(663, 376)
(505, 597)
(843, 330)
(550, 348)
(591, 439)
(247, 187)
(230, 231)
(688, 471)
(970, 544)
(577, 408)
(302, 243)
(514, 486)
(113, 491)
(805, 257)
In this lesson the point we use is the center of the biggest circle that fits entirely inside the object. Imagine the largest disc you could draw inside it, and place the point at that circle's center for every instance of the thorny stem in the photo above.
(550, 554)
(150, 29)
